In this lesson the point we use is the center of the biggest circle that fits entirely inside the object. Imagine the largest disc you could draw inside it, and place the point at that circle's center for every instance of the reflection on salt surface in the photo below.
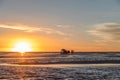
(60, 65)
(57, 60)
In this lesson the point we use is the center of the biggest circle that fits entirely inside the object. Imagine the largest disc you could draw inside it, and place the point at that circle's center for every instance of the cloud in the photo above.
(63, 26)
(107, 31)
(27, 28)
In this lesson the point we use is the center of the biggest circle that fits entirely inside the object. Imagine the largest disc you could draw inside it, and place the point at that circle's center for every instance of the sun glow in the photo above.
(22, 47)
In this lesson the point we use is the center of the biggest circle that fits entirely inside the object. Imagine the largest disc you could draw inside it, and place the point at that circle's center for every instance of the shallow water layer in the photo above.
(61, 65)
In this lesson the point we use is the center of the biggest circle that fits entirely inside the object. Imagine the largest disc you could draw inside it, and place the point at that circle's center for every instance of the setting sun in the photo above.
(22, 47)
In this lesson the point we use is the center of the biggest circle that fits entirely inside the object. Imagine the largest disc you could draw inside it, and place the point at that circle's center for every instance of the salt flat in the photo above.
(54, 66)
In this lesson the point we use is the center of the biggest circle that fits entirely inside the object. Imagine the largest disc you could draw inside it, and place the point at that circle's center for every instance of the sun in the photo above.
(22, 47)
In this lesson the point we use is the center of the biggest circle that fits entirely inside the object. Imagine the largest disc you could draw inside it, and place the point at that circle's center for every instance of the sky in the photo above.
(49, 25)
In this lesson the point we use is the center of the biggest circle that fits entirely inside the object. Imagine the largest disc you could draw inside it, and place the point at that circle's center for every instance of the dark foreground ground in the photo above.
(80, 66)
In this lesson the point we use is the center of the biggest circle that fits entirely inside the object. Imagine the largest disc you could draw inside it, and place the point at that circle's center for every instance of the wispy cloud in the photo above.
(27, 28)
(63, 26)
(107, 31)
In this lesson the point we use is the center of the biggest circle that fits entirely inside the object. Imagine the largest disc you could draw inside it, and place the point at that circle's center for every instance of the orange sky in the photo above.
(49, 43)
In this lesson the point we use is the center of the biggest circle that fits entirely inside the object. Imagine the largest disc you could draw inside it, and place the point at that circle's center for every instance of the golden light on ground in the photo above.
(22, 47)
